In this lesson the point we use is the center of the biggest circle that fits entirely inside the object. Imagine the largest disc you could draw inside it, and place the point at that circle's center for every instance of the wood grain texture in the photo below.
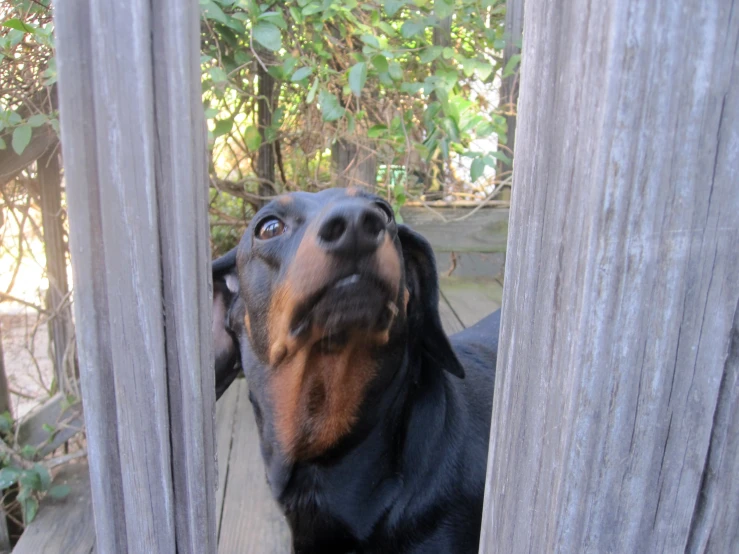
(66, 420)
(251, 522)
(79, 135)
(63, 526)
(449, 319)
(225, 414)
(484, 231)
(133, 140)
(182, 199)
(471, 299)
(615, 414)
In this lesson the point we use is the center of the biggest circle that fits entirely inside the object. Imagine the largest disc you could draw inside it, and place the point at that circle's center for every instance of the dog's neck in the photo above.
(370, 458)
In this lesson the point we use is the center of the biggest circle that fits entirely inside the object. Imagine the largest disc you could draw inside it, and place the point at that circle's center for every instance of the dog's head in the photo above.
(319, 302)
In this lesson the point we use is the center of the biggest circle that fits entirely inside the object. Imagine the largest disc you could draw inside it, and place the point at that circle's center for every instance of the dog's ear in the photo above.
(423, 305)
(225, 345)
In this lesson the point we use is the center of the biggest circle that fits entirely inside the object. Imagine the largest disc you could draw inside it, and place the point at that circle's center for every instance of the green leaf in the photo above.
(483, 70)
(498, 155)
(396, 72)
(30, 508)
(357, 77)
(392, 6)
(31, 480)
(312, 9)
(288, 65)
(485, 129)
(477, 168)
(59, 491)
(44, 476)
(275, 18)
(252, 138)
(268, 35)
(296, 15)
(380, 63)
(3, 145)
(330, 106)
(211, 10)
(443, 8)
(430, 54)
(6, 420)
(412, 27)
(370, 40)
(411, 88)
(218, 75)
(510, 67)
(21, 138)
(447, 53)
(28, 451)
(312, 92)
(8, 477)
(301, 74)
(19, 25)
(223, 127)
(376, 131)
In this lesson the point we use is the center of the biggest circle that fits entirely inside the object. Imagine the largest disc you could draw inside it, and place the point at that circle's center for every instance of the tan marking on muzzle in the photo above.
(316, 395)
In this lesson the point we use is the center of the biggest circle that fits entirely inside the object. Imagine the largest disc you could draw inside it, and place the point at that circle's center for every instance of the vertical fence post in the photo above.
(615, 423)
(135, 170)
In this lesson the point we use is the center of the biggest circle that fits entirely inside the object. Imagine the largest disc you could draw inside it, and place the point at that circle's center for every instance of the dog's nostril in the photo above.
(333, 229)
(372, 224)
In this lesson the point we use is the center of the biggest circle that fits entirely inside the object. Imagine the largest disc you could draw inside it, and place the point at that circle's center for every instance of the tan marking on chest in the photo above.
(317, 396)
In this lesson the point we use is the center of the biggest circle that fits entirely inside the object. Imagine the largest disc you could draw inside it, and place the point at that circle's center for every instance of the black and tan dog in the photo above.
(373, 424)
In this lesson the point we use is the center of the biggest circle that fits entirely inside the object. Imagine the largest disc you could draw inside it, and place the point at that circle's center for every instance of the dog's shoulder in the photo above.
(477, 346)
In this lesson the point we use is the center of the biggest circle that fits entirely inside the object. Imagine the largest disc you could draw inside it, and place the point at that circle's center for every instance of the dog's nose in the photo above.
(352, 229)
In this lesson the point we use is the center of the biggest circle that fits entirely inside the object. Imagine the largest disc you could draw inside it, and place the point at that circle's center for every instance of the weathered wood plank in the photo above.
(182, 200)
(449, 319)
(73, 30)
(615, 413)
(225, 418)
(63, 526)
(471, 299)
(485, 230)
(251, 521)
(67, 420)
(133, 140)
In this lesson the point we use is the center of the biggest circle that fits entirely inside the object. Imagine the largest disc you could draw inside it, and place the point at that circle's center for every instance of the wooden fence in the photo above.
(133, 144)
(616, 411)
(615, 420)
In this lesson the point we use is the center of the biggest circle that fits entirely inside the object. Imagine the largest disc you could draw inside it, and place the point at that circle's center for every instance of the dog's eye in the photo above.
(386, 210)
(269, 228)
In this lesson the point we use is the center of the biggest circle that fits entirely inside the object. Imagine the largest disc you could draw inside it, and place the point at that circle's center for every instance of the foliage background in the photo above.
(398, 95)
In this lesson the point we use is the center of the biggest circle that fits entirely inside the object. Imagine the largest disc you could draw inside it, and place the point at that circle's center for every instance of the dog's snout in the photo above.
(352, 229)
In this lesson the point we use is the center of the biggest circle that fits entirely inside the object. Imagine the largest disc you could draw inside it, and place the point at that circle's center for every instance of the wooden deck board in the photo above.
(63, 526)
(225, 413)
(449, 320)
(471, 300)
(251, 521)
